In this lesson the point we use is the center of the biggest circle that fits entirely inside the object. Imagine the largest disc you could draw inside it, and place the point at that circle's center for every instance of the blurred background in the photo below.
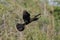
(47, 27)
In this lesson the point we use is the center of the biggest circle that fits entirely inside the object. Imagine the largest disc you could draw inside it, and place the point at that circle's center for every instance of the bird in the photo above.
(27, 19)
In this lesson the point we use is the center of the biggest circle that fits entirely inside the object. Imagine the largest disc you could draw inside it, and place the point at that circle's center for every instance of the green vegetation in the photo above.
(57, 22)
(11, 12)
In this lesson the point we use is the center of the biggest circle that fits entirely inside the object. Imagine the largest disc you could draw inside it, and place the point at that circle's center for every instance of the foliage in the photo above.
(11, 12)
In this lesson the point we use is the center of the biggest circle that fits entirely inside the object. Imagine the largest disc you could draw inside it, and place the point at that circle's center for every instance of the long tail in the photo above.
(37, 15)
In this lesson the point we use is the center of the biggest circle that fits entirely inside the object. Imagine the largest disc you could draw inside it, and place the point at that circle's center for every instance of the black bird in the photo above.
(26, 17)
(27, 20)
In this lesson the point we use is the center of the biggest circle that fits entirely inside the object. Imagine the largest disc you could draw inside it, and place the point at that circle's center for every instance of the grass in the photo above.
(13, 15)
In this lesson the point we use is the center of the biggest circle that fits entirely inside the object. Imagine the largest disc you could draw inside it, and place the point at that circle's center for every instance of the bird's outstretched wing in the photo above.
(26, 17)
